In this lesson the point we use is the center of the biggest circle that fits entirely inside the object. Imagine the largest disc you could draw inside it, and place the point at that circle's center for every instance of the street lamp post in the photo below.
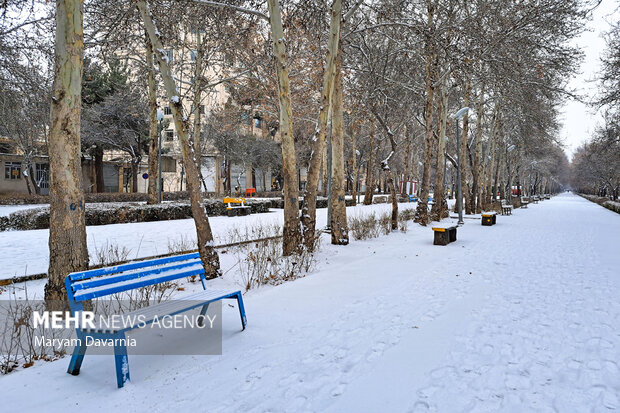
(160, 118)
(459, 200)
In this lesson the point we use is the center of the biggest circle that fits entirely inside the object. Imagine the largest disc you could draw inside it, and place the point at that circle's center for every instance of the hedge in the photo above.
(121, 213)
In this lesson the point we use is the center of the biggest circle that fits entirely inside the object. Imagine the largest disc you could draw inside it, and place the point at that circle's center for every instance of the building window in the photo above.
(167, 110)
(201, 109)
(43, 175)
(168, 164)
(170, 55)
(12, 170)
(193, 54)
(169, 135)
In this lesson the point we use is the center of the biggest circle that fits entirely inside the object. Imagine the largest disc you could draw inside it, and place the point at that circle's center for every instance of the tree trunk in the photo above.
(421, 215)
(340, 232)
(407, 159)
(32, 178)
(440, 205)
(67, 241)
(390, 175)
(354, 167)
(28, 170)
(370, 167)
(208, 255)
(476, 191)
(228, 186)
(154, 178)
(489, 190)
(135, 163)
(496, 175)
(394, 193)
(464, 151)
(308, 214)
(292, 237)
(97, 154)
(197, 129)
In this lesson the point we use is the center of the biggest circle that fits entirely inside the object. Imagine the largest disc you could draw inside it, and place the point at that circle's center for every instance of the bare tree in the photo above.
(67, 242)
(209, 256)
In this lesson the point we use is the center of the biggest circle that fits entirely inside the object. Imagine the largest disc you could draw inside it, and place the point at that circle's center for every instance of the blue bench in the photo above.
(413, 198)
(87, 285)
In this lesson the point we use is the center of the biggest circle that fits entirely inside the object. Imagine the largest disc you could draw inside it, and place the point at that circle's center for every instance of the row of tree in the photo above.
(376, 81)
(596, 164)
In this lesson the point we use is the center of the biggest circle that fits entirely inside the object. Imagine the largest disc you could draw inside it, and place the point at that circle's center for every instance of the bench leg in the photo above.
(78, 355)
(441, 238)
(203, 313)
(244, 321)
(121, 361)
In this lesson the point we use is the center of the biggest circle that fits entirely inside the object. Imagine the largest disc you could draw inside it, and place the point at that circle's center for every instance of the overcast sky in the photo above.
(580, 120)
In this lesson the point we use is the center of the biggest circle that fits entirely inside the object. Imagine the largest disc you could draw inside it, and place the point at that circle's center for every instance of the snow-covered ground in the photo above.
(26, 252)
(521, 316)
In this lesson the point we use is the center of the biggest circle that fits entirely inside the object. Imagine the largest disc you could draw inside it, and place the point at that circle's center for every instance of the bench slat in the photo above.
(130, 275)
(82, 275)
(101, 291)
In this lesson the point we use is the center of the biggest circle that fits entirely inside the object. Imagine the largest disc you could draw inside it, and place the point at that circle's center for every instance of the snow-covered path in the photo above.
(521, 316)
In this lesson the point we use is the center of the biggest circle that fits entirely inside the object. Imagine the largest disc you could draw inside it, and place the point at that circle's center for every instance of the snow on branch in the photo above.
(385, 163)
(236, 8)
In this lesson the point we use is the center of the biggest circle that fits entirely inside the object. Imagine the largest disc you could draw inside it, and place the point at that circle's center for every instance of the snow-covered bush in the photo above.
(120, 213)
(604, 202)
(611, 205)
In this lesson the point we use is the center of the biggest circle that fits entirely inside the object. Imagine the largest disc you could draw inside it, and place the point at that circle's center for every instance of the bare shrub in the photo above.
(262, 263)
(109, 254)
(402, 225)
(252, 232)
(406, 215)
(385, 223)
(370, 226)
(17, 334)
(403, 217)
(181, 244)
(364, 227)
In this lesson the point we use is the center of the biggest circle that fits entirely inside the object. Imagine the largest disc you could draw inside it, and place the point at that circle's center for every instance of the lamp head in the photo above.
(462, 112)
